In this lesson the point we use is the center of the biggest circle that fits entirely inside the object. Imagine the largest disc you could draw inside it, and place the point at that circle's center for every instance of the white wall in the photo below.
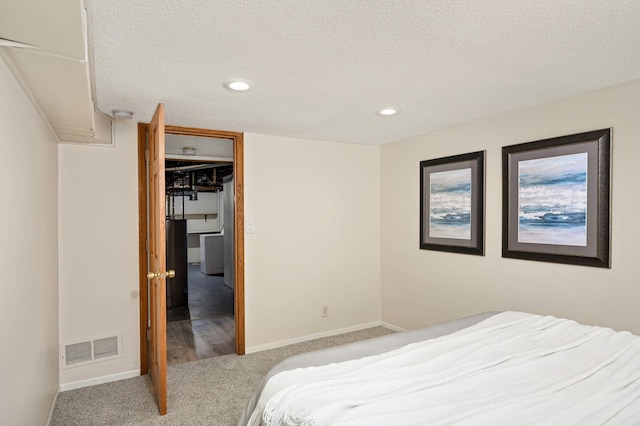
(28, 259)
(315, 205)
(99, 249)
(421, 287)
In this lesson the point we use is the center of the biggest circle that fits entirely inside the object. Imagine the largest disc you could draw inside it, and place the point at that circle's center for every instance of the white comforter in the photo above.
(511, 369)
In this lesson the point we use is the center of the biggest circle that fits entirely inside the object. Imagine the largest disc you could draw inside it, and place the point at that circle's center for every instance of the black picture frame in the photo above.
(556, 199)
(452, 204)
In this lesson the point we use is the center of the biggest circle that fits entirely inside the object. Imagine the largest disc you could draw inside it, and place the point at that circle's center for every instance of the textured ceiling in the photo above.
(322, 67)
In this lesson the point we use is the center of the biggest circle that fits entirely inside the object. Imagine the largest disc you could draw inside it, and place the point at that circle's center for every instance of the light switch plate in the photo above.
(251, 226)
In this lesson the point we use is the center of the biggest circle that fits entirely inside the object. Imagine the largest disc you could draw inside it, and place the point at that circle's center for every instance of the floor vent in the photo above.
(89, 351)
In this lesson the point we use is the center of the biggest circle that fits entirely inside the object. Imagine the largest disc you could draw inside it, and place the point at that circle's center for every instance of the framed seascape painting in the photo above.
(556, 199)
(452, 204)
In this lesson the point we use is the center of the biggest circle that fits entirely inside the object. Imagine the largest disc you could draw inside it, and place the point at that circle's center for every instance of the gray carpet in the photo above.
(212, 391)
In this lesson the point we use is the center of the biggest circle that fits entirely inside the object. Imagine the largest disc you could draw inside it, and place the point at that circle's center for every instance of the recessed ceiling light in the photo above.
(238, 85)
(387, 111)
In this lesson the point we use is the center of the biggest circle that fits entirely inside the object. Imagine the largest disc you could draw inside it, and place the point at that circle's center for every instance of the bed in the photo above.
(493, 368)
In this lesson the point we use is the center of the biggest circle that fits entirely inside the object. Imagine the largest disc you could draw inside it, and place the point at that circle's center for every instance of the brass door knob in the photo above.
(169, 274)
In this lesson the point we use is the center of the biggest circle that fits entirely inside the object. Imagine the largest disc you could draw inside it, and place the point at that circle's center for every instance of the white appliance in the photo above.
(211, 253)
(229, 246)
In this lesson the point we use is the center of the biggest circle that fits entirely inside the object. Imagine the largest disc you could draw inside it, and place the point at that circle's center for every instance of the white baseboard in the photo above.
(287, 342)
(98, 380)
(53, 406)
(392, 327)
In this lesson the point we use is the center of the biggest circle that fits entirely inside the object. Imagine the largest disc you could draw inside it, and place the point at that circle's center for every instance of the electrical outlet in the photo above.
(324, 312)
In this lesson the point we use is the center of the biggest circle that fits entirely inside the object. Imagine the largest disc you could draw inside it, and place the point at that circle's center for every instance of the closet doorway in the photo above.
(199, 236)
(197, 174)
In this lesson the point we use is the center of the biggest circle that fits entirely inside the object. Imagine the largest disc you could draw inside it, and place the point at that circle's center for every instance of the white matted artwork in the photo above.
(450, 204)
(552, 200)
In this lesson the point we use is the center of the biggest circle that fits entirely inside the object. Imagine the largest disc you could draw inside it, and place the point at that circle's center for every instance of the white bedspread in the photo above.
(511, 369)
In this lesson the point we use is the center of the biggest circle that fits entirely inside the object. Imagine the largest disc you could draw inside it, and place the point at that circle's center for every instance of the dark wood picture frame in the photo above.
(556, 199)
(452, 204)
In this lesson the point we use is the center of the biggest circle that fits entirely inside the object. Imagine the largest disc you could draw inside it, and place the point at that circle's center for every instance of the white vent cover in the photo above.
(77, 353)
(89, 351)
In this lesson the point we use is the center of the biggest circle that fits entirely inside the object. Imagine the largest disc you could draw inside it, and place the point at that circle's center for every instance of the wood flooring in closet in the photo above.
(201, 338)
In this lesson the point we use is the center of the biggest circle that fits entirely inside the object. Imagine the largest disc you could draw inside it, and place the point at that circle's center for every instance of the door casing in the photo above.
(238, 171)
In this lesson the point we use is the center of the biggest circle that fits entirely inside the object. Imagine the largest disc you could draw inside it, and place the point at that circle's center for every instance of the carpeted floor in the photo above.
(211, 392)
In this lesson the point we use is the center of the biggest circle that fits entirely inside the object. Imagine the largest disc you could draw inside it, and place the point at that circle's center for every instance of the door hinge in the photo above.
(146, 155)
(146, 246)
(148, 334)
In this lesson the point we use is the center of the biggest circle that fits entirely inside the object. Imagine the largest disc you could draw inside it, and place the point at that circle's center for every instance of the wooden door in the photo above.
(157, 261)
(144, 185)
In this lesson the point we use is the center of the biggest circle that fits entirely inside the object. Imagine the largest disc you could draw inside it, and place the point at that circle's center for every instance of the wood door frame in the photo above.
(238, 172)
